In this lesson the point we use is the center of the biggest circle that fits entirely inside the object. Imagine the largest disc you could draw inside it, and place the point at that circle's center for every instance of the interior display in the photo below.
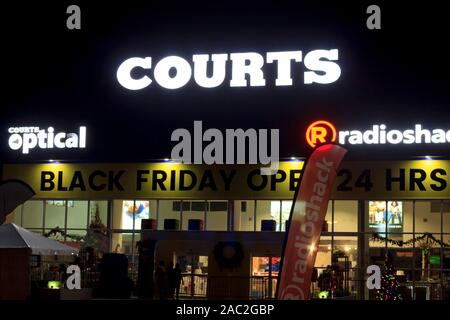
(134, 210)
(60, 203)
(386, 213)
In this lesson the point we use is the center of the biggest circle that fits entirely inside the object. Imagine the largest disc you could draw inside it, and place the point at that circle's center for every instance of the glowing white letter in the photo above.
(331, 70)
(240, 68)
(182, 76)
(284, 65)
(124, 73)
(200, 69)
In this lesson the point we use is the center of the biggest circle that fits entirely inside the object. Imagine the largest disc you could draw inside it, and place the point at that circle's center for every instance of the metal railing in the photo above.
(194, 285)
(202, 285)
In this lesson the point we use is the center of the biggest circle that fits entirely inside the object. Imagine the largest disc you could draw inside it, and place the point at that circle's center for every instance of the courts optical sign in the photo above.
(28, 138)
(174, 72)
(323, 131)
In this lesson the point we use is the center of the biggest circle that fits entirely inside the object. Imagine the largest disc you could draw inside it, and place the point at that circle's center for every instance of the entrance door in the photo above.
(263, 282)
(194, 269)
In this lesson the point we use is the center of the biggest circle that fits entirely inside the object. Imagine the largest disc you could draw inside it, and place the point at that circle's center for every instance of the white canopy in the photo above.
(13, 236)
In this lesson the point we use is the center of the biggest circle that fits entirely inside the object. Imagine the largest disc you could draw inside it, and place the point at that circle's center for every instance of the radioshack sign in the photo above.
(322, 131)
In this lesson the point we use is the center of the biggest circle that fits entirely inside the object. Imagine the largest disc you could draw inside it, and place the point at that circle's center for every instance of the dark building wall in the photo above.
(15, 274)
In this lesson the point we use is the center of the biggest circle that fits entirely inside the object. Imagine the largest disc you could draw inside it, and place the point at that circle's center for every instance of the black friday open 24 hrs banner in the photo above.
(364, 180)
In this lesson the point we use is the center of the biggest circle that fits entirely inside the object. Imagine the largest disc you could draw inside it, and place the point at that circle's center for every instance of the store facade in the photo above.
(225, 225)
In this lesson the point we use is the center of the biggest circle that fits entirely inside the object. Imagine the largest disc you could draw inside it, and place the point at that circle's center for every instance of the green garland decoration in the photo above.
(426, 236)
(57, 230)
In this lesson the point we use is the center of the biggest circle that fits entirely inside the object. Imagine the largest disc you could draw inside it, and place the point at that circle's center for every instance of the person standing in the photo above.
(177, 280)
(160, 277)
(170, 280)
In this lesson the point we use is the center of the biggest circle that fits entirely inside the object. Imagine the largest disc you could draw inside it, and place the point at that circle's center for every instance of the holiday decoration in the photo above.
(59, 234)
(96, 236)
(389, 286)
(427, 237)
(424, 242)
(228, 254)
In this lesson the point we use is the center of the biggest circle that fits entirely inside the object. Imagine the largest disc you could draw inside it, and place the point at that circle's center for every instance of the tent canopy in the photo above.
(13, 236)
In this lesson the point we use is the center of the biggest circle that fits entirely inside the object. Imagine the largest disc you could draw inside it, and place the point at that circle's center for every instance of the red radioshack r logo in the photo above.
(320, 132)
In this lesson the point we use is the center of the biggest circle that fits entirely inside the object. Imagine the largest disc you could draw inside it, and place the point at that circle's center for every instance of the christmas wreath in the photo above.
(228, 254)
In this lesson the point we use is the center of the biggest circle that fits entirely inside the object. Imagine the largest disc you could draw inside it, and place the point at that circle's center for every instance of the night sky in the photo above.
(397, 76)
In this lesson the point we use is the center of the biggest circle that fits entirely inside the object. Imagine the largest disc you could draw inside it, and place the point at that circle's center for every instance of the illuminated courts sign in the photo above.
(26, 139)
(322, 131)
(209, 70)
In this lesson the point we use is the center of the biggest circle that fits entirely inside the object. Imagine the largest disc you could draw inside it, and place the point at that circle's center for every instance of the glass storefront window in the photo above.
(133, 211)
(446, 217)
(55, 213)
(319, 281)
(194, 269)
(285, 213)
(127, 214)
(33, 214)
(122, 243)
(133, 258)
(408, 216)
(345, 266)
(125, 243)
(77, 215)
(279, 212)
(76, 238)
(194, 216)
(244, 215)
(323, 258)
(345, 216)
(328, 223)
(428, 255)
(100, 208)
(217, 216)
(428, 216)
(263, 282)
(169, 209)
(265, 215)
(275, 210)
(392, 216)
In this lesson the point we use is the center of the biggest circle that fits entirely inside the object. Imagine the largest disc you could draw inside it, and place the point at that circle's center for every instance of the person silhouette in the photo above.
(177, 280)
(160, 277)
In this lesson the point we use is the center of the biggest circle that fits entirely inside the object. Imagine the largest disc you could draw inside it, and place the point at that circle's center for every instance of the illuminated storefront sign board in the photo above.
(365, 180)
(323, 131)
(174, 72)
(28, 138)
